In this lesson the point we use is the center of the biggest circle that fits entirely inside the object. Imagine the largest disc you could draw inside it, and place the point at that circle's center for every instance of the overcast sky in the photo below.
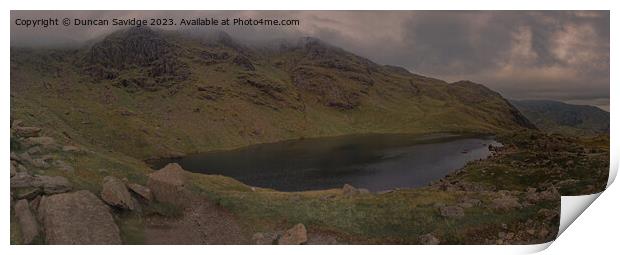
(558, 55)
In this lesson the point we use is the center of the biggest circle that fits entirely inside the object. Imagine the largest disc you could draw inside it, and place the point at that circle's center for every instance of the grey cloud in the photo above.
(561, 55)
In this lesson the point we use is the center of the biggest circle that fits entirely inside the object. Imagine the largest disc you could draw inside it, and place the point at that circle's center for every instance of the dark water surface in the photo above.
(376, 162)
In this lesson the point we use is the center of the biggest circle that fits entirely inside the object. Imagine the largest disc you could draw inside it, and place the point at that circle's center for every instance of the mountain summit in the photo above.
(156, 93)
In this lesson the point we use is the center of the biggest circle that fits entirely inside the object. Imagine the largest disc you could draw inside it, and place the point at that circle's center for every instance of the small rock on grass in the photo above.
(428, 239)
(452, 211)
(295, 235)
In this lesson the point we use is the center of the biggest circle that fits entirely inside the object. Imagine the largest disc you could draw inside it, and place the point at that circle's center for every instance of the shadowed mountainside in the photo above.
(160, 93)
(558, 117)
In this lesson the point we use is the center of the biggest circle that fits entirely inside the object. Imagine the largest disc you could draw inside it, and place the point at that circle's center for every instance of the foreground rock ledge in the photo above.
(77, 218)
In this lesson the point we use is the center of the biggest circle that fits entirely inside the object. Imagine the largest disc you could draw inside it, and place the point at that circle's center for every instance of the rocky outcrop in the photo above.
(77, 218)
(114, 193)
(168, 184)
(296, 235)
(27, 222)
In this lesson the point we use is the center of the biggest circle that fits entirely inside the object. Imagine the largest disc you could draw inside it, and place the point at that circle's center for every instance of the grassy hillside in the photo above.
(558, 117)
(152, 94)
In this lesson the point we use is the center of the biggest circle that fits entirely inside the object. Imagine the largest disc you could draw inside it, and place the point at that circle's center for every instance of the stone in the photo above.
(168, 184)
(46, 143)
(452, 212)
(24, 158)
(543, 233)
(296, 235)
(265, 238)
(13, 168)
(21, 180)
(52, 184)
(41, 163)
(349, 190)
(501, 235)
(34, 203)
(505, 202)
(48, 184)
(428, 239)
(141, 191)
(64, 166)
(27, 222)
(510, 235)
(71, 148)
(27, 132)
(547, 214)
(77, 218)
(27, 193)
(16, 123)
(115, 193)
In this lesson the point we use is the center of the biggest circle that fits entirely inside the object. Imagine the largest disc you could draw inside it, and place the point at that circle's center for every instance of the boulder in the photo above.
(168, 184)
(77, 218)
(27, 222)
(42, 163)
(52, 184)
(296, 235)
(349, 190)
(452, 211)
(265, 238)
(64, 166)
(428, 239)
(46, 143)
(27, 132)
(115, 193)
(21, 180)
(13, 168)
(141, 191)
(505, 202)
(48, 184)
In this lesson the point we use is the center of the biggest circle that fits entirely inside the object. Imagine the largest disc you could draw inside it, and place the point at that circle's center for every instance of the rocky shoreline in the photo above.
(50, 209)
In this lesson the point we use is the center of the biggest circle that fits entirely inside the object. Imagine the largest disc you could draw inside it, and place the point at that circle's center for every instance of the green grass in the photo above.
(397, 217)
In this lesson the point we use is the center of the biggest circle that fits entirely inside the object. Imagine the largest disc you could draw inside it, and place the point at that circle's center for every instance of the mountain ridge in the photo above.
(155, 93)
(558, 117)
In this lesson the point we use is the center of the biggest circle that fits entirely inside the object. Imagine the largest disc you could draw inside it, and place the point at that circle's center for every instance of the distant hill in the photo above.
(558, 117)
(155, 93)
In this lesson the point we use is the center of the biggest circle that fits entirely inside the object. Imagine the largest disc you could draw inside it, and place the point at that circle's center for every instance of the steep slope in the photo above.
(558, 117)
(152, 93)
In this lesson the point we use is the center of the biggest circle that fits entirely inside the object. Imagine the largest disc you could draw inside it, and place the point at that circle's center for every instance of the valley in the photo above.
(84, 122)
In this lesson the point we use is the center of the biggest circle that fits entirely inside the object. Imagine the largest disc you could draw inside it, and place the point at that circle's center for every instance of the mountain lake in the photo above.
(376, 162)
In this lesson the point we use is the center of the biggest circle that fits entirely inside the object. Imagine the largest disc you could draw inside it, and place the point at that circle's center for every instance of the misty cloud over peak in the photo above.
(558, 55)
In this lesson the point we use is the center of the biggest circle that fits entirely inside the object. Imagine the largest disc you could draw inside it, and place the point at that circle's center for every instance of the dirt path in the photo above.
(201, 223)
